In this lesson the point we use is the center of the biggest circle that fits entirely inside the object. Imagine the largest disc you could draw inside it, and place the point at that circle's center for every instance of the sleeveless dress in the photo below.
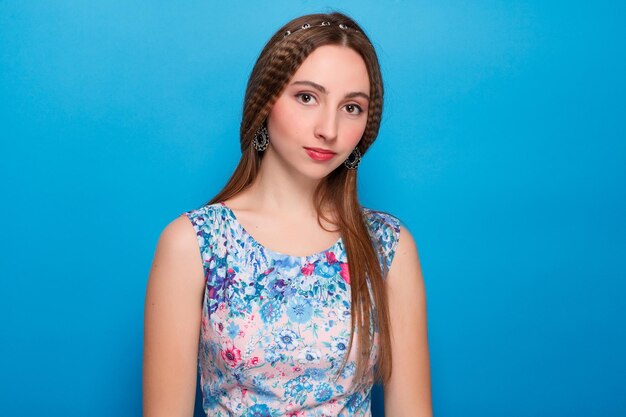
(275, 327)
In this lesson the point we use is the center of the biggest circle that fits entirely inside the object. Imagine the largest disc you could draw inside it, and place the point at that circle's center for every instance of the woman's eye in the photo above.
(354, 109)
(305, 97)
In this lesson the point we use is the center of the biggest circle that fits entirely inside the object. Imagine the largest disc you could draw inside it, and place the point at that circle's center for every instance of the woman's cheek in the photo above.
(354, 133)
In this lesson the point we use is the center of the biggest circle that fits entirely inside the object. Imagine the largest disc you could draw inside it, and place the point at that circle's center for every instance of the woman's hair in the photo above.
(276, 65)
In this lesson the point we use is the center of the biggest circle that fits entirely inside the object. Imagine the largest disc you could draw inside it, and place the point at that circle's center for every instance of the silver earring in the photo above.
(261, 138)
(353, 159)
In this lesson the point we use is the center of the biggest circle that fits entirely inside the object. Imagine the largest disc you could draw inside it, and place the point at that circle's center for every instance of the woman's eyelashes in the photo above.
(354, 109)
(351, 108)
(308, 96)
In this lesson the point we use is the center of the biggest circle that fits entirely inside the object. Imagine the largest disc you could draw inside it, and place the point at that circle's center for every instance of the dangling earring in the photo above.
(261, 138)
(353, 159)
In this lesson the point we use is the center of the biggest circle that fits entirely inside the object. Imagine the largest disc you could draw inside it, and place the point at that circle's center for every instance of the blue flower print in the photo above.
(271, 311)
(316, 374)
(323, 392)
(309, 355)
(354, 401)
(259, 410)
(276, 287)
(338, 346)
(287, 339)
(232, 330)
(298, 388)
(287, 266)
(299, 310)
(327, 270)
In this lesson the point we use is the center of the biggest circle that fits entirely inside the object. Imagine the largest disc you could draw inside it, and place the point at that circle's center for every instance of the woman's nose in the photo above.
(326, 126)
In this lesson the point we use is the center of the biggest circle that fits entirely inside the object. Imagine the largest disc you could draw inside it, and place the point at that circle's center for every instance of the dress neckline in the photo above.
(247, 235)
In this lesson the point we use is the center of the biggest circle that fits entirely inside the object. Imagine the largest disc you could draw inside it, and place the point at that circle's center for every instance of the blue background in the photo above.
(503, 150)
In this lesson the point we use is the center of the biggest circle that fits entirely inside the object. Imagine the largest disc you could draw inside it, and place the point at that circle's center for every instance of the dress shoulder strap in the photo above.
(205, 222)
(385, 234)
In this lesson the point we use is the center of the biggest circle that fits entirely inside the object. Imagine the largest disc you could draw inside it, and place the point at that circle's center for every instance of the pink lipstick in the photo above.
(320, 154)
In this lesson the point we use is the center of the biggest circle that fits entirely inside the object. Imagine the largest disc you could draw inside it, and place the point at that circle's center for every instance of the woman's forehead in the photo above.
(336, 68)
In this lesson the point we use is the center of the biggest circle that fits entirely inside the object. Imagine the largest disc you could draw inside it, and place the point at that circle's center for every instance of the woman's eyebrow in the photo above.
(322, 90)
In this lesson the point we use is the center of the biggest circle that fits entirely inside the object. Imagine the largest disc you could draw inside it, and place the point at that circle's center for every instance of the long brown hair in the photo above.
(275, 66)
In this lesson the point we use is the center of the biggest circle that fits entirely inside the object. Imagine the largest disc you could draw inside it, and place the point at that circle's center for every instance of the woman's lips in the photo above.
(319, 155)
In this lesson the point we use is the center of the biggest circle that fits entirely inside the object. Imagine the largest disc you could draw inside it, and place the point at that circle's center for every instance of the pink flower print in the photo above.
(330, 258)
(254, 361)
(231, 356)
(308, 269)
(345, 272)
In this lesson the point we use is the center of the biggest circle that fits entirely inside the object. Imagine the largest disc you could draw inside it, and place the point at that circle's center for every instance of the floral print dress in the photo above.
(275, 327)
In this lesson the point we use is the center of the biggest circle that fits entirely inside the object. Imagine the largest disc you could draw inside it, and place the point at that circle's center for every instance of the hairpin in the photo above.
(307, 25)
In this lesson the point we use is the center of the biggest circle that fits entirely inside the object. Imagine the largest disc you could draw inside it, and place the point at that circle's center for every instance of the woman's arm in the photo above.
(172, 319)
(408, 391)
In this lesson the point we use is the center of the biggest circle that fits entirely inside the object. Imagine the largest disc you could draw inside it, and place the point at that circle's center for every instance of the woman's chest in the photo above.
(277, 318)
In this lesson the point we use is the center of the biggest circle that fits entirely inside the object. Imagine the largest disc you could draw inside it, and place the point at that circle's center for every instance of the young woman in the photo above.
(287, 295)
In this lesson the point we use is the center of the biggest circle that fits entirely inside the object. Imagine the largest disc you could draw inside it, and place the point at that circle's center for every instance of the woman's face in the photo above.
(323, 106)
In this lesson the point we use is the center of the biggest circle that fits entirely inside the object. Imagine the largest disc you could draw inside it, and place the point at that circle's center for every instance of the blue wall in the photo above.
(503, 149)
